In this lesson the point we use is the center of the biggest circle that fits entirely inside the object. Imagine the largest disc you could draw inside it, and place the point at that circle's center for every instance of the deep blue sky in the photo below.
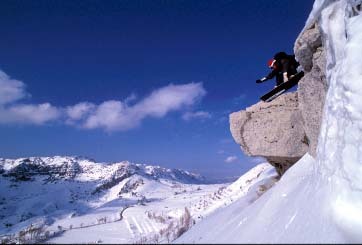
(72, 51)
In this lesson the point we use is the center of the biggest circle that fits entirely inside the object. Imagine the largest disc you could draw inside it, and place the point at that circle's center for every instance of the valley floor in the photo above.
(119, 203)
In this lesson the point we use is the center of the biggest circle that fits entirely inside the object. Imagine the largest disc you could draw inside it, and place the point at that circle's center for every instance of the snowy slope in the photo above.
(70, 199)
(317, 200)
(292, 211)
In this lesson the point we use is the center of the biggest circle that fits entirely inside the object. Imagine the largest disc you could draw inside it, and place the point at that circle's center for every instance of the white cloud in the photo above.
(170, 98)
(196, 115)
(117, 115)
(10, 90)
(78, 111)
(29, 114)
(110, 115)
(231, 159)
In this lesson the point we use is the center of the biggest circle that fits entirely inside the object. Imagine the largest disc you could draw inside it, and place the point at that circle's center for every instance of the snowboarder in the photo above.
(283, 67)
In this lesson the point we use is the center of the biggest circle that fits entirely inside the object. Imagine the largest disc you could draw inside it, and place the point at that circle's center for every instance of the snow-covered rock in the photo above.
(318, 200)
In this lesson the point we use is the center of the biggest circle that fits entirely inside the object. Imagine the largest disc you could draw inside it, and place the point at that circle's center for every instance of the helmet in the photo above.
(280, 55)
(271, 62)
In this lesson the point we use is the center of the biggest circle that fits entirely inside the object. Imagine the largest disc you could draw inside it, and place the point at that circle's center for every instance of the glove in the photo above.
(259, 81)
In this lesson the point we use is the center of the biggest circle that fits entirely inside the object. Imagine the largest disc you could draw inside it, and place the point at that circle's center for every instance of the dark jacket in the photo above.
(283, 63)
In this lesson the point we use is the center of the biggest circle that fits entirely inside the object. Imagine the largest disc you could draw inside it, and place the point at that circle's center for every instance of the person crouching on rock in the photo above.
(283, 67)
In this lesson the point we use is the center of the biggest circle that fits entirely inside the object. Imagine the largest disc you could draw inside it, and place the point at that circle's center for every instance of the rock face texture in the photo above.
(284, 129)
(272, 130)
(312, 88)
(306, 45)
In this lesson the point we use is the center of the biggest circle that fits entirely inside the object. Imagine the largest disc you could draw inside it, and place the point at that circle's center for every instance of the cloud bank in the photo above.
(111, 115)
(29, 114)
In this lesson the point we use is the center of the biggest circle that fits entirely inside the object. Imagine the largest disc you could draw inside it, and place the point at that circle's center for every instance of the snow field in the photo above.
(136, 208)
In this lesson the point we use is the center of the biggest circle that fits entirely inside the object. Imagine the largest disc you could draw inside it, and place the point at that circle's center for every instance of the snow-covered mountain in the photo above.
(80, 168)
(74, 199)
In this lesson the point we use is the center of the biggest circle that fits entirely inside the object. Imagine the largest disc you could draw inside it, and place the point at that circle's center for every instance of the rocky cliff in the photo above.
(312, 88)
(284, 129)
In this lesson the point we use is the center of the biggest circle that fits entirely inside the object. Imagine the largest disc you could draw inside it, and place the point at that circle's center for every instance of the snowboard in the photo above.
(282, 88)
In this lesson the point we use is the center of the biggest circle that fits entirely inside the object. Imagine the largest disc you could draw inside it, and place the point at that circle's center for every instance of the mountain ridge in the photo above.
(69, 167)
